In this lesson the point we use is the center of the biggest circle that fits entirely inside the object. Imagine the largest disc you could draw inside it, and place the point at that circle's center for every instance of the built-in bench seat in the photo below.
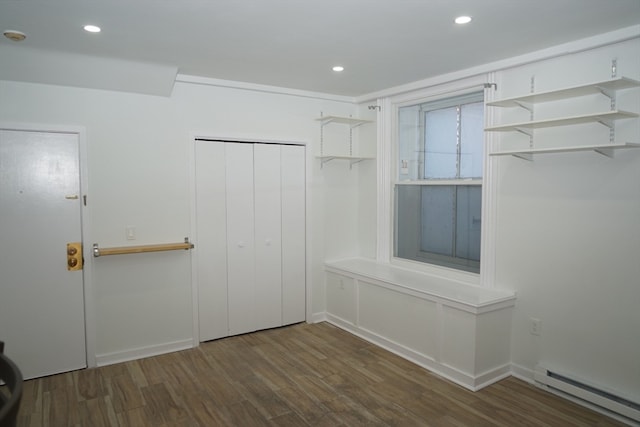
(457, 330)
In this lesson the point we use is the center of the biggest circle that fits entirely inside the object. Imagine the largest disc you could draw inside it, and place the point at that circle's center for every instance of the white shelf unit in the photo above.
(604, 149)
(606, 118)
(607, 88)
(352, 123)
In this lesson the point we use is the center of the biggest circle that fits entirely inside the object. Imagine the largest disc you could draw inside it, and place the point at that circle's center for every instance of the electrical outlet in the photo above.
(535, 328)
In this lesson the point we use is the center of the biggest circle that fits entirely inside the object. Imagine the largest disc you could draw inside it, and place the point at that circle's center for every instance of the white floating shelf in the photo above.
(556, 95)
(604, 118)
(343, 120)
(605, 149)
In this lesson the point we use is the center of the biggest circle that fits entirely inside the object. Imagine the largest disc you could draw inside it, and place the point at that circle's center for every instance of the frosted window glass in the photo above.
(468, 221)
(409, 145)
(440, 129)
(471, 140)
(437, 219)
(407, 221)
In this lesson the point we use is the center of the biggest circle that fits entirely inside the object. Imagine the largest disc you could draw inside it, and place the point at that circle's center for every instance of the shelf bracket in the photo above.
(526, 105)
(326, 160)
(324, 122)
(609, 94)
(525, 131)
(607, 123)
(605, 151)
(612, 129)
(524, 156)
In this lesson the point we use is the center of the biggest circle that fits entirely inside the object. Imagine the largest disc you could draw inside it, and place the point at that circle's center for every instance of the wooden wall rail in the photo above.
(97, 251)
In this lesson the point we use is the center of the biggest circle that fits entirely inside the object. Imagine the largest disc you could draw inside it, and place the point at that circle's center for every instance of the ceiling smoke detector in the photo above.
(16, 36)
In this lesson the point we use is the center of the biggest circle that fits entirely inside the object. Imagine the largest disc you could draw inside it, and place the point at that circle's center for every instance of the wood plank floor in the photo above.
(301, 375)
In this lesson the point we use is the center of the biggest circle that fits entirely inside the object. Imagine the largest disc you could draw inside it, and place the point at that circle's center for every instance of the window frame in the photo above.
(424, 177)
(387, 161)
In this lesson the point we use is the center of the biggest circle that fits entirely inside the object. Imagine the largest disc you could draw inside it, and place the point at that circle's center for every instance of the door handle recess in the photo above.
(74, 256)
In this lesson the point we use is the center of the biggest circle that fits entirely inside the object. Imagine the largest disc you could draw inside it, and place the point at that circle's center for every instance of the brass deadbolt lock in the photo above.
(74, 256)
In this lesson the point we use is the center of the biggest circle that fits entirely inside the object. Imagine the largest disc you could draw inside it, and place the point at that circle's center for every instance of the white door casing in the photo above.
(42, 316)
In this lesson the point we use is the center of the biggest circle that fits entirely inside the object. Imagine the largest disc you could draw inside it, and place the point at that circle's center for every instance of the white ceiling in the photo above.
(294, 43)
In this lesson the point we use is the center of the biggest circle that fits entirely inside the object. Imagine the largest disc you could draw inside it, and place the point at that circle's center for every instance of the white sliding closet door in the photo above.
(240, 238)
(293, 234)
(268, 230)
(211, 243)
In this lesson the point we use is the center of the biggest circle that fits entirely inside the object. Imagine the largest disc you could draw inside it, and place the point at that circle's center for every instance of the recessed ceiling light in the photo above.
(92, 28)
(338, 68)
(462, 20)
(16, 36)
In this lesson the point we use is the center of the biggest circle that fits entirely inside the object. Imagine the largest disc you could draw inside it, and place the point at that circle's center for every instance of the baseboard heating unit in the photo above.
(588, 394)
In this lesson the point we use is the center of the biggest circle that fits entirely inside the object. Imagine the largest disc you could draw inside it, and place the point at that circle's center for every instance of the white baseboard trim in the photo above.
(142, 352)
(522, 373)
(492, 376)
(318, 317)
(470, 382)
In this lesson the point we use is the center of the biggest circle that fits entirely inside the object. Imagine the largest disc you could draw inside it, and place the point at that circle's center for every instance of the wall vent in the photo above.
(587, 393)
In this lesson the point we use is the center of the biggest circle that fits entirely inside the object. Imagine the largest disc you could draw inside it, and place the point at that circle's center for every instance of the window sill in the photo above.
(439, 271)
(465, 181)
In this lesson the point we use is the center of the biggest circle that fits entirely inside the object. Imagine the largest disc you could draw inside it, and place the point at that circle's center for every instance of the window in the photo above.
(438, 195)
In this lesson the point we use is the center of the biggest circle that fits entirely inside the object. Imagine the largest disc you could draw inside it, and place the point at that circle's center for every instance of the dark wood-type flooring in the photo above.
(316, 375)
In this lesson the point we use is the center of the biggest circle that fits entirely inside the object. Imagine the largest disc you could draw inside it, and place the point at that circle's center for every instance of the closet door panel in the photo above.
(211, 245)
(268, 287)
(240, 238)
(293, 234)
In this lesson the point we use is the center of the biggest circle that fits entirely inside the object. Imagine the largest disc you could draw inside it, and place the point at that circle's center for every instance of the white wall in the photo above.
(139, 176)
(367, 181)
(568, 228)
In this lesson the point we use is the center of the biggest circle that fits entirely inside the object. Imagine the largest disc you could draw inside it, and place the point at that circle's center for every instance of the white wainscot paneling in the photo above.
(411, 321)
(459, 331)
(341, 298)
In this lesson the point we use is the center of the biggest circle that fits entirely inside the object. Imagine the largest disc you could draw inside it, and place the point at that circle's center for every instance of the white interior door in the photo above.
(268, 231)
(41, 301)
(240, 238)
